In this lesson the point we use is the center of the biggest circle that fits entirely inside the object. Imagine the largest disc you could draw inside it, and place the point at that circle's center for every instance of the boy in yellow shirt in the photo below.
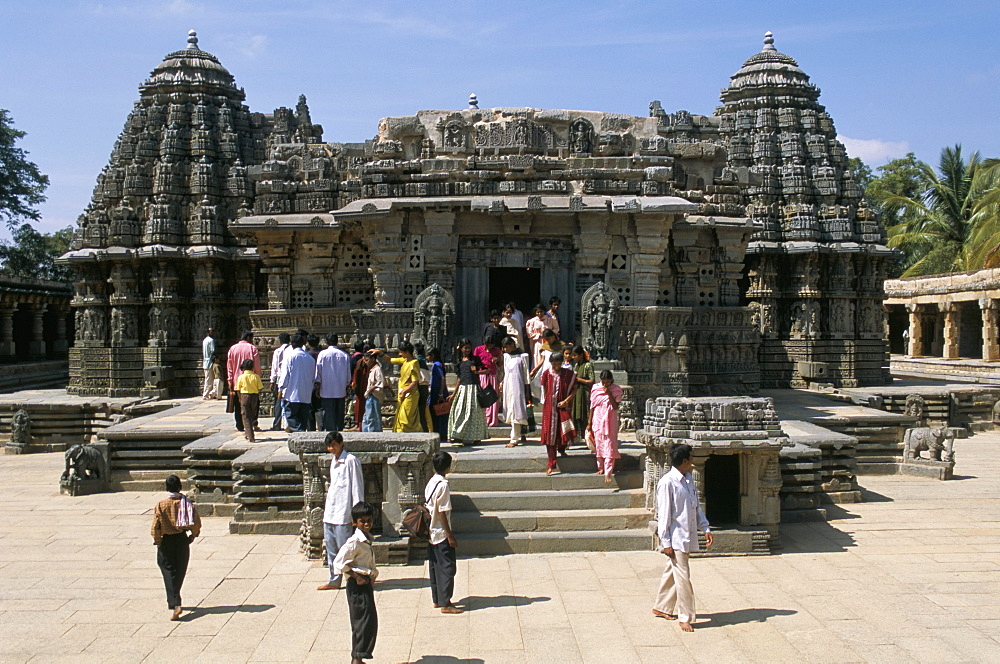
(249, 386)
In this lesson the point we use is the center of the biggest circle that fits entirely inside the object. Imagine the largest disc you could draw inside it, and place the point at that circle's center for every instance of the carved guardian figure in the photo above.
(84, 461)
(937, 442)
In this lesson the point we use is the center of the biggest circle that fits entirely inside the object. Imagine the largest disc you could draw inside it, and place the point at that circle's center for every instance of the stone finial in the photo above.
(192, 40)
(473, 101)
(769, 41)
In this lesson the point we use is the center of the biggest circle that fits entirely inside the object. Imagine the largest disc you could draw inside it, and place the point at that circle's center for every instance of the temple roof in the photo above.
(191, 68)
(769, 72)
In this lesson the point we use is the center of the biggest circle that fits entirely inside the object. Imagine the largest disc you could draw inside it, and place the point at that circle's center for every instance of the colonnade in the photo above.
(35, 319)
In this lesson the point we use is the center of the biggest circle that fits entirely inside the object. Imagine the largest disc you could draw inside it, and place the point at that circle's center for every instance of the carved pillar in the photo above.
(988, 307)
(698, 474)
(916, 331)
(7, 330)
(279, 286)
(37, 345)
(439, 248)
(61, 344)
(651, 239)
(951, 331)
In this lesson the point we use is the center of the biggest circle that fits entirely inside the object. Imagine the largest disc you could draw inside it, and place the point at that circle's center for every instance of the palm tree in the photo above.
(953, 224)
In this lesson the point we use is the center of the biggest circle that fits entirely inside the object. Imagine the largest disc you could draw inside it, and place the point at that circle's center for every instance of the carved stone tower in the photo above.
(817, 262)
(156, 265)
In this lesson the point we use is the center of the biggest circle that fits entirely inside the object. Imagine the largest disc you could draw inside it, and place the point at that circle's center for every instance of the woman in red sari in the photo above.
(558, 387)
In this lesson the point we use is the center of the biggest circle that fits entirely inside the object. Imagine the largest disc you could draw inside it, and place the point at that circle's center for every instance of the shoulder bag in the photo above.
(417, 520)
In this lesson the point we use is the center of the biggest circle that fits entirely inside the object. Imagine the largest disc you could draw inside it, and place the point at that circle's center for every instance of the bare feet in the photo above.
(451, 608)
(549, 471)
(327, 586)
(607, 479)
(511, 444)
(661, 614)
(686, 627)
(600, 472)
(176, 614)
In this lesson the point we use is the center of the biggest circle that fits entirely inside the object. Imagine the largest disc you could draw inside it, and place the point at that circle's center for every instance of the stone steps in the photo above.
(551, 520)
(493, 544)
(461, 483)
(556, 499)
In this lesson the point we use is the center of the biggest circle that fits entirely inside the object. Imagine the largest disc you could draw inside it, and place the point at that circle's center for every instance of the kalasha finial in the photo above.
(473, 102)
(192, 39)
(769, 41)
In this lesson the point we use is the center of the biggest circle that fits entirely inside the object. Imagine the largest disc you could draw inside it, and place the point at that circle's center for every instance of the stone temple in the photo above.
(732, 250)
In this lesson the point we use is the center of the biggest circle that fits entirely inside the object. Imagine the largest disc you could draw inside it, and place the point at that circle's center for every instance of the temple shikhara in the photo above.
(730, 251)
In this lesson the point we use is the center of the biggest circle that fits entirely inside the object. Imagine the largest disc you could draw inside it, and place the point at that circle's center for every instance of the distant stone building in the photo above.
(737, 244)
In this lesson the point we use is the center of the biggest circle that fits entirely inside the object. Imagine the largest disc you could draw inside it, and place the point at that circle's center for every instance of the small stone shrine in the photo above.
(209, 215)
(735, 444)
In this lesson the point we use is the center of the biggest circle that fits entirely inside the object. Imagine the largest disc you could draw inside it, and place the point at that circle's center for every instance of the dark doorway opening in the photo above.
(899, 321)
(970, 330)
(520, 285)
(722, 489)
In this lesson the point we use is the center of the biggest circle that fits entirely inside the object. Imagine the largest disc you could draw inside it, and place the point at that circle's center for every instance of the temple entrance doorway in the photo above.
(722, 489)
(520, 285)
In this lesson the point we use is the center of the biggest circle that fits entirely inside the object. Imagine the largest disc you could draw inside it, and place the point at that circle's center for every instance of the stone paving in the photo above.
(913, 574)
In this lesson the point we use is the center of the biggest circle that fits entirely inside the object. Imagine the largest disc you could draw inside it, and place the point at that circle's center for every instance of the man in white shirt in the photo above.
(347, 489)
(333, 375)
(207, 356)
(276, 357)
(296, 381)
(678, 519)
(441, 552)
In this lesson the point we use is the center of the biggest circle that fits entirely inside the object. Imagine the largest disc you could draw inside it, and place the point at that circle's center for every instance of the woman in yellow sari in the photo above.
(407, 391)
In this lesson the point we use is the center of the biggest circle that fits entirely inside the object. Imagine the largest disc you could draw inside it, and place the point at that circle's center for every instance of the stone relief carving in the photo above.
(600, 312)
(20, 429)
(433, 317)
(938, 442)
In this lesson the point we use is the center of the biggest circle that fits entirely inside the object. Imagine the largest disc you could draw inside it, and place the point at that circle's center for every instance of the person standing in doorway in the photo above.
(553, 315)
(512, 328)
(493, 329)
(466, 421)
(558, 389)
(297, 383)
(441, 561)
(207, 355)
(249, 386)
(678, 519)
(176, 524)
(347, 489)
(333, 374)
(276, 358)
(602, 422)
(238, 353)
(535, 329)
(518, 317)
(514, 389)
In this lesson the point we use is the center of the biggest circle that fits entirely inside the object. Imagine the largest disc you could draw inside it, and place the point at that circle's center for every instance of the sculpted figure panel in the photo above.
(433, 317)
(600, 309)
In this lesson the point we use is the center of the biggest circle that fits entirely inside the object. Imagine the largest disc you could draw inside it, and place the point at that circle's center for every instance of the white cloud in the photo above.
(874, 151)
(249, 46)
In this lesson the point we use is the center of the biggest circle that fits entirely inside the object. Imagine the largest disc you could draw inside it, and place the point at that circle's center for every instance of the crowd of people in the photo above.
(519, 363)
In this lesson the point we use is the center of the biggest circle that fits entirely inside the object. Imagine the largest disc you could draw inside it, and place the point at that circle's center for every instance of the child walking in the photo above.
(175, 525)
(249, 386)
(357, 561)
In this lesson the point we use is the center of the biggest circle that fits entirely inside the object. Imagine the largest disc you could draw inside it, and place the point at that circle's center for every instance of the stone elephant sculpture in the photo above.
(84, 461)
(937, 442)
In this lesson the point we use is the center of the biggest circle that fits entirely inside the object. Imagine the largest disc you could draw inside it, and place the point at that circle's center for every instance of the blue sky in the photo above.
(896, 76)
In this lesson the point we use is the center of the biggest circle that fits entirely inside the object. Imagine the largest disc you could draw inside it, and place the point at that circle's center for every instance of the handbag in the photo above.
(231, 400)
(486, 396)
(441, 409)
(417, 520)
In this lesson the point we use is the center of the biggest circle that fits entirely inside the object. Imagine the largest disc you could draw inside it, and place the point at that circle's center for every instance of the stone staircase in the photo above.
(504, 503)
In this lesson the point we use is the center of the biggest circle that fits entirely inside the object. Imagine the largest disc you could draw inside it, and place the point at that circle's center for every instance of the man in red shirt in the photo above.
(242, 350)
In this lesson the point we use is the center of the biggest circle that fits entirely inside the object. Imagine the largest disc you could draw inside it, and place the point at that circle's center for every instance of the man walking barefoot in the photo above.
(678, 519)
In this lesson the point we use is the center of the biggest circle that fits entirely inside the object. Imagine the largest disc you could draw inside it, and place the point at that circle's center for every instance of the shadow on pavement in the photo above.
(869, 496)
(814, 537)
(447, 659)
(474, 602)
(199, 611)
(413, 583)
(739, 616)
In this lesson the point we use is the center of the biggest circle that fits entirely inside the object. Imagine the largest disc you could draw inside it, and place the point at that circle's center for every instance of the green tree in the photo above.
(22, 185)
(900, 177)
(32, 254)
(937, 220)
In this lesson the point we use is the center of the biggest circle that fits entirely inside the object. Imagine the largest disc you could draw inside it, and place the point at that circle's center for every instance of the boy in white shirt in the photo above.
(441, 552)
(356, 560)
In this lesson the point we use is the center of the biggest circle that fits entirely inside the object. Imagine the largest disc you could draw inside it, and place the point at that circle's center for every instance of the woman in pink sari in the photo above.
(602, 425)
(491, 357)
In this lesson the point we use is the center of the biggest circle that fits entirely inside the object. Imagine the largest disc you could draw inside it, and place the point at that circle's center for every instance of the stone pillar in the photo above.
(951, 331)
(37, 345)
(61, 345)
(916, 331)
(988, 307)
(7, 331)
